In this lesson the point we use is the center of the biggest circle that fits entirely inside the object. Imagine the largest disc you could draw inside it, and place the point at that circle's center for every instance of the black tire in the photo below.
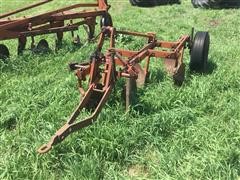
(139, 2)
(215, 3)
(199, 52)
(132, 2)
(229, 4)
(106, 20)
(201, 3)
(4, 52)
(150, 3)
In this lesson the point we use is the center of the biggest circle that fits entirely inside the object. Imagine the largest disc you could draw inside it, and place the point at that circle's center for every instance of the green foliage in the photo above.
(191, 132)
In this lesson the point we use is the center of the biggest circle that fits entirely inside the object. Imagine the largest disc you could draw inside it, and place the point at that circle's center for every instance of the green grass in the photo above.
(192, 132)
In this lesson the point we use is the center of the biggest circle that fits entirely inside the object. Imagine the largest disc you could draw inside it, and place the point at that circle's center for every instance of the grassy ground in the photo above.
(192, 132)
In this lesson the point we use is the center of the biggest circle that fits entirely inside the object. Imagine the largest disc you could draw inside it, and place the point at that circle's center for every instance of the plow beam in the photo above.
(72, 126)
(45, 17)
(25, 8)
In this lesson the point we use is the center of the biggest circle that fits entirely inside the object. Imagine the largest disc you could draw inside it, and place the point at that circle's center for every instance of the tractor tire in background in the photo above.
(150, 3)
(204, 3)
(216, 3)
(142, 3)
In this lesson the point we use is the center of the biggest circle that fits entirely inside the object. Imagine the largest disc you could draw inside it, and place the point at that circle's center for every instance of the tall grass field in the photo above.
(187, 132)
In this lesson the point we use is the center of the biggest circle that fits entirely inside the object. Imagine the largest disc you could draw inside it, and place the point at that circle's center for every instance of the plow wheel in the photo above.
(106, 20)
(42, 46)
(4, 52)
(21, 44)
(199, 52)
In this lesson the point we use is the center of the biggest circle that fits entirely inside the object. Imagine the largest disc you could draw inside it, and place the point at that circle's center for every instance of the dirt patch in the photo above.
(138, 171)
(214, 22)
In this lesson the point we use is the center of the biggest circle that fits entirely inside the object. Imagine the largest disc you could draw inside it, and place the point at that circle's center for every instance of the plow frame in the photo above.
(105, 69)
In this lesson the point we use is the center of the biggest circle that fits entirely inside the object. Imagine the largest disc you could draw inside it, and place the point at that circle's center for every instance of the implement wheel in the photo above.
(4, 52)
(106, 20)
(199, 52)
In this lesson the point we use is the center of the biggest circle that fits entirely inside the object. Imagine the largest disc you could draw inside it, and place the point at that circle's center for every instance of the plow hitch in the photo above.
(72, 126)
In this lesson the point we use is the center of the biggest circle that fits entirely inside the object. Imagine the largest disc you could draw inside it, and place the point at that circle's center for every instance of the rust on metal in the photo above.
(56, 21)
(105, 69)
(25, 8)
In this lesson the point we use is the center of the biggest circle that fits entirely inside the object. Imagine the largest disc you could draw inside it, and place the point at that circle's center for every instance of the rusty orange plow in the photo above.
(105, 69)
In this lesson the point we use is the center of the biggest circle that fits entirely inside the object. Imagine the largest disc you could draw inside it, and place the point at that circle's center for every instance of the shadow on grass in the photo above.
(9, 124)
(157, 76)
(18, 64)
(211, 67)
(144, 108)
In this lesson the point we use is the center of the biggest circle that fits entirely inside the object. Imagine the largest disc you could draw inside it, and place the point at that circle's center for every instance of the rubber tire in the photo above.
(143, 3)
(199, 52)
(151, 3)
(200, 3)
(138, 2)
(215, 3)
(106, 20)
(4, 52)
(229, 4)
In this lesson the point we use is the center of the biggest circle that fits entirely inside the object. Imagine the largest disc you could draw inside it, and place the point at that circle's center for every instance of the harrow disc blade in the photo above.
(42, 46)
(179, 75)
(4, 52)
